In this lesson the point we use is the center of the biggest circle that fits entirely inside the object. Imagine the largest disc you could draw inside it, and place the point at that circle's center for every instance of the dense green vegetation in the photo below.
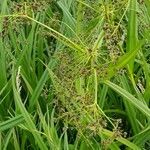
(74, 74)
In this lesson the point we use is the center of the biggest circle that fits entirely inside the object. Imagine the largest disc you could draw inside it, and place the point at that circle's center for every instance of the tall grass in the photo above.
(74, 75)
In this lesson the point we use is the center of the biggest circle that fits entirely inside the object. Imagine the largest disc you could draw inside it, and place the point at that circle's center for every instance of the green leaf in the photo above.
(11, 123)
(134, 101)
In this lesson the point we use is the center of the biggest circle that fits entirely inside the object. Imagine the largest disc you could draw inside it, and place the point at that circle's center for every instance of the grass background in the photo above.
(74, 74)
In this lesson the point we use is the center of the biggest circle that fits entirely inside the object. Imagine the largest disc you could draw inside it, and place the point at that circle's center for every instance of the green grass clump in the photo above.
(74, 75)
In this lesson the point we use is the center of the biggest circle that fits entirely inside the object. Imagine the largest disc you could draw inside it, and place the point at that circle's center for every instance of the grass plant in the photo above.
(74, 75)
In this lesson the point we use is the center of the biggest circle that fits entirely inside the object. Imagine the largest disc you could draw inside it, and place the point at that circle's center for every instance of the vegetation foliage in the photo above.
(75, 74)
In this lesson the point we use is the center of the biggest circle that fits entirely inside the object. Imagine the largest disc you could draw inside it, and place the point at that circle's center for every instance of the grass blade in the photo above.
(134, 101)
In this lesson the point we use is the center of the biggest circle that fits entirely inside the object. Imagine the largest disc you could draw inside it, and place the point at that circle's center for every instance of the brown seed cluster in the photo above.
(111, 42)
(5, 27)
(73, 107)
(78, 115)
(28, 7)
(117, 133)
